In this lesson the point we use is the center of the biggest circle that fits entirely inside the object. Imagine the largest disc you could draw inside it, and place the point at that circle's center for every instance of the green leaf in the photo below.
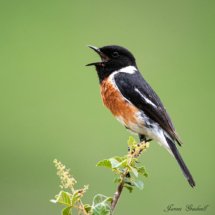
(134, 171)
(75, 197)
(117, 180)
(133, 162)
(105, 163)
(120, 159)
(138, 184)
(101, 205)
(100, 210)
(87, 208)
(114, 162)
(98, 198)
(130, 188)
(67, 211)
(63, 198)
(66, 198)
(131, 142)
(121, 164)
(141, 170)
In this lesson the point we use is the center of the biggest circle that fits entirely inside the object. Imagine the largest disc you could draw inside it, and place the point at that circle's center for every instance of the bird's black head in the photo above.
(113, 58)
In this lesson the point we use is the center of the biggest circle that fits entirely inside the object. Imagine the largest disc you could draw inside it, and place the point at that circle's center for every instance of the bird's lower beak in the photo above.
(104, 57)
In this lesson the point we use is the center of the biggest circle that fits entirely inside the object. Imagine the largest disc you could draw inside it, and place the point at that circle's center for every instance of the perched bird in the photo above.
(133, 102)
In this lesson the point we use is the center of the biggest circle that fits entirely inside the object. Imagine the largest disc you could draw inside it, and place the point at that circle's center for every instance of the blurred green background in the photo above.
(51, 107)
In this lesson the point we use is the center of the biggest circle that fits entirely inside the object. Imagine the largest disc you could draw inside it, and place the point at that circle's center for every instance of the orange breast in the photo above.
(115, 102)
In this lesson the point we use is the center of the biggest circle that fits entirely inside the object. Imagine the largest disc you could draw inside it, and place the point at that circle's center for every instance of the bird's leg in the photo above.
(143, 139)
(144, 143)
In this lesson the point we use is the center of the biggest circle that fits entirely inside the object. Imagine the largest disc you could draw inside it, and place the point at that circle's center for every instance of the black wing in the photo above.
(138, 91)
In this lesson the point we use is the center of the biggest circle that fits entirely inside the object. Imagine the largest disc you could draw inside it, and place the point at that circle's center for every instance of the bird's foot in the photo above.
(144, 139)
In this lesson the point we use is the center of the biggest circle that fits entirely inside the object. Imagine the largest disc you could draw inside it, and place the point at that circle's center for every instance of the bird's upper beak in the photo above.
(104, 57)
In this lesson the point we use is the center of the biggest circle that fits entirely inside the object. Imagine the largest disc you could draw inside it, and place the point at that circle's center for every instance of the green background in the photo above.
(51, 107)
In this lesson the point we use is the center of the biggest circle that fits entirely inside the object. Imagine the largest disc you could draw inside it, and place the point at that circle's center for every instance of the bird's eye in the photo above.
(115, 54)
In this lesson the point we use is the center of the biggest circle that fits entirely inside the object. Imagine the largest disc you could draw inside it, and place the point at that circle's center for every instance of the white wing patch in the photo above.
(146, 99)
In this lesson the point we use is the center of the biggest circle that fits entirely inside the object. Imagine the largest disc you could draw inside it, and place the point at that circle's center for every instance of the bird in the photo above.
(134, 103)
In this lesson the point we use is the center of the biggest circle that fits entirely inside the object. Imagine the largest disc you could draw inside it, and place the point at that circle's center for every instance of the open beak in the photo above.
(104, 58)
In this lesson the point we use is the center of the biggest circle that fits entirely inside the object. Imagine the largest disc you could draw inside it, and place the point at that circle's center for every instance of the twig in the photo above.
(117, 194)
(133, 153)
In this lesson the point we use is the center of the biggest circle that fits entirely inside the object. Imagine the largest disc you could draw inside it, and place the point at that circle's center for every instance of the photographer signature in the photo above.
(187, 208)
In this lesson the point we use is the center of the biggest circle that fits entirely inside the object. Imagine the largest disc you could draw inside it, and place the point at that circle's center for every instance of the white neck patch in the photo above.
(128, 69)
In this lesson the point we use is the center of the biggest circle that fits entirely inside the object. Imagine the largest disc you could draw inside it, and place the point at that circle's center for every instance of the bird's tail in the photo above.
(180, 161)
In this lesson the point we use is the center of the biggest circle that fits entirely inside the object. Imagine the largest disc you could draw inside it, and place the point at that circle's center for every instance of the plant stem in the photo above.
(120, 187)
(132, 154)
(117, 195)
